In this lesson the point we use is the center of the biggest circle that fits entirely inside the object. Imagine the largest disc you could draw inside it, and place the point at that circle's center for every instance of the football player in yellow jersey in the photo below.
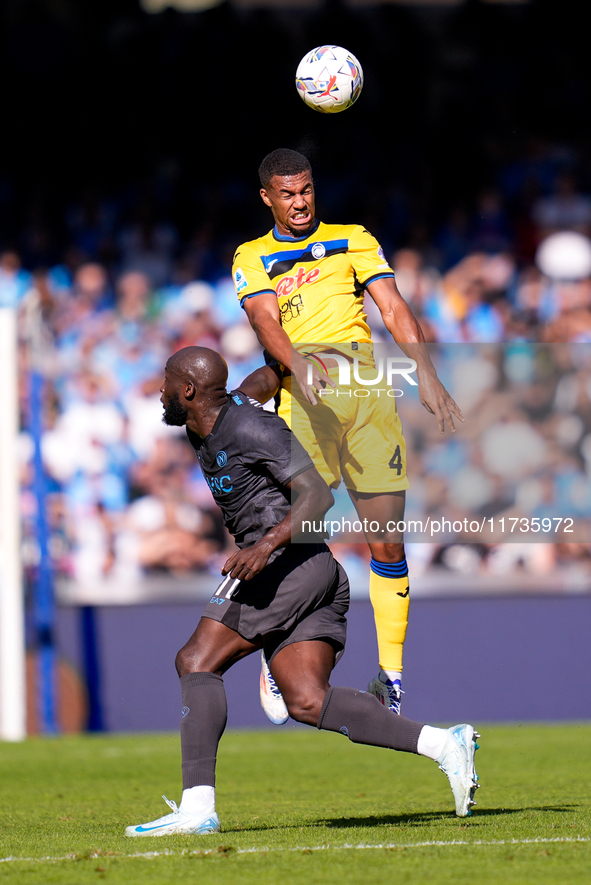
(305, 282)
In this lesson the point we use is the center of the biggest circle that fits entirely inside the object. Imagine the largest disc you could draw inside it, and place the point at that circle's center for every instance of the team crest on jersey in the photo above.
(318, 251)
(240, 280)
(222, 459)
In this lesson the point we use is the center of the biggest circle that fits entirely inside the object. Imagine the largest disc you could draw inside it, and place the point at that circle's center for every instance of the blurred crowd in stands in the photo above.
(100, 315)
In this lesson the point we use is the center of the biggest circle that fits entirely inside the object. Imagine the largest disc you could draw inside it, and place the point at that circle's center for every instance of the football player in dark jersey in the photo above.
(289, 599)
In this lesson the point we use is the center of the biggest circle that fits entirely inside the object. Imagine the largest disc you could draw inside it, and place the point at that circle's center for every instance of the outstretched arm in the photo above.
(263, 313)
(404, 327)
(313, 500)
(263, 383)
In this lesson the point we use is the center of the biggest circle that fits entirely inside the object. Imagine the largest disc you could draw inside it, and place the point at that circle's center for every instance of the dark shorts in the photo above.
(302, 595)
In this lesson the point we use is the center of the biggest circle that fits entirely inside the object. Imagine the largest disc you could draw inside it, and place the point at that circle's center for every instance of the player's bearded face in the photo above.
(291, 199)
(175, 413)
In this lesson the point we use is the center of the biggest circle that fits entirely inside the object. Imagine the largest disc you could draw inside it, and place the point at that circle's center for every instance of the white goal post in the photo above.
(12, 628)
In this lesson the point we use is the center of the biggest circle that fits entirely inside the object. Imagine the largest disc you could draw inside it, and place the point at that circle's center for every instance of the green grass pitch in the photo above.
(298, 806)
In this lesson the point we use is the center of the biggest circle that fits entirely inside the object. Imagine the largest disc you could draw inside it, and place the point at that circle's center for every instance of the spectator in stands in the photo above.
(565, 209)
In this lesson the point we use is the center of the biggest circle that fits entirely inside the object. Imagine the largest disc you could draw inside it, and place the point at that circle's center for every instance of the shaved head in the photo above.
(205, 368)
(194, 388)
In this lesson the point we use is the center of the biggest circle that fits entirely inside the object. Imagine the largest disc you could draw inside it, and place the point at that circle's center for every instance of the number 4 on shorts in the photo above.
(395, 462)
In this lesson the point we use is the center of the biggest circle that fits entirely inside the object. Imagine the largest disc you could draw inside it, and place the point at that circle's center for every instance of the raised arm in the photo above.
(263, 314)
(404, 327)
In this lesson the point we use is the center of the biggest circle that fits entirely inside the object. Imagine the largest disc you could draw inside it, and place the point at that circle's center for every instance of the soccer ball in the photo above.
(329, 79)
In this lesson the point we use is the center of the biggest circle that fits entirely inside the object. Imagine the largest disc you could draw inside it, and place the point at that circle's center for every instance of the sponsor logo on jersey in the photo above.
(292, 283)
(222, 459)
(185, 712)
(318, 251)
(291, 308)
(239, 280)
(219, 485)
(217, 601)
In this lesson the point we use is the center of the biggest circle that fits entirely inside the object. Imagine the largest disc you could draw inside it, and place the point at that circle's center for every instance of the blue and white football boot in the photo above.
(457, 761)
(388, 693)
(271, 698)
(179, 823)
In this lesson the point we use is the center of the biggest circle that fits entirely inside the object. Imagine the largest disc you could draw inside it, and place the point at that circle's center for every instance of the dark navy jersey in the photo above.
(248, 460)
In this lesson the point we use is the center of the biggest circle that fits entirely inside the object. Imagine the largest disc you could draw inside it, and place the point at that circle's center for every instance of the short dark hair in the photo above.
(283, 161)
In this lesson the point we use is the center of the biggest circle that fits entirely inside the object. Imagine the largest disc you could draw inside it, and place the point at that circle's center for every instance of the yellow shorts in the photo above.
(353, 433)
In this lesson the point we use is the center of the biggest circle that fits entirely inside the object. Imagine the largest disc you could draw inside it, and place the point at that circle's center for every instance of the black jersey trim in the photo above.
(301, 470)
(284, 238)
(221, 415)
(378, 276)
(254, 294)
(196, 440)
(282, 267)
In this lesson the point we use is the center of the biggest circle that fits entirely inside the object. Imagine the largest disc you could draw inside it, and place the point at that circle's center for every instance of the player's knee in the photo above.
(189, 660)
(181, 661)
(305, 707)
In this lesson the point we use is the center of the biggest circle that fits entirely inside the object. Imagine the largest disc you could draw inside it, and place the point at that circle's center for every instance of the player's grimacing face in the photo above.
(291, 200)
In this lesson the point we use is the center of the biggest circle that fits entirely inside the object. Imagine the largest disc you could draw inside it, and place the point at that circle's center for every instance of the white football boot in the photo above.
(457, 761)
(179, 823)
(271, 698)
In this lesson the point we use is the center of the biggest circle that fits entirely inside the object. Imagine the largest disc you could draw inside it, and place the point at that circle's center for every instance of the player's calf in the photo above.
(364, 720)
(301, 672)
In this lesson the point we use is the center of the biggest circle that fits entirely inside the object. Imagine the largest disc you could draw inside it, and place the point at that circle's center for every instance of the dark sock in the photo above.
(204, 719)
(360, 716)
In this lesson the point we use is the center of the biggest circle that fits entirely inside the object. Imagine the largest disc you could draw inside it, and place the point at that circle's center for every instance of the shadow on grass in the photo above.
(427, 817)
(420, 819)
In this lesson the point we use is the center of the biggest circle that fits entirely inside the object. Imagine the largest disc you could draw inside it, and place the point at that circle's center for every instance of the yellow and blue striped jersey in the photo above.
(319, 280)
